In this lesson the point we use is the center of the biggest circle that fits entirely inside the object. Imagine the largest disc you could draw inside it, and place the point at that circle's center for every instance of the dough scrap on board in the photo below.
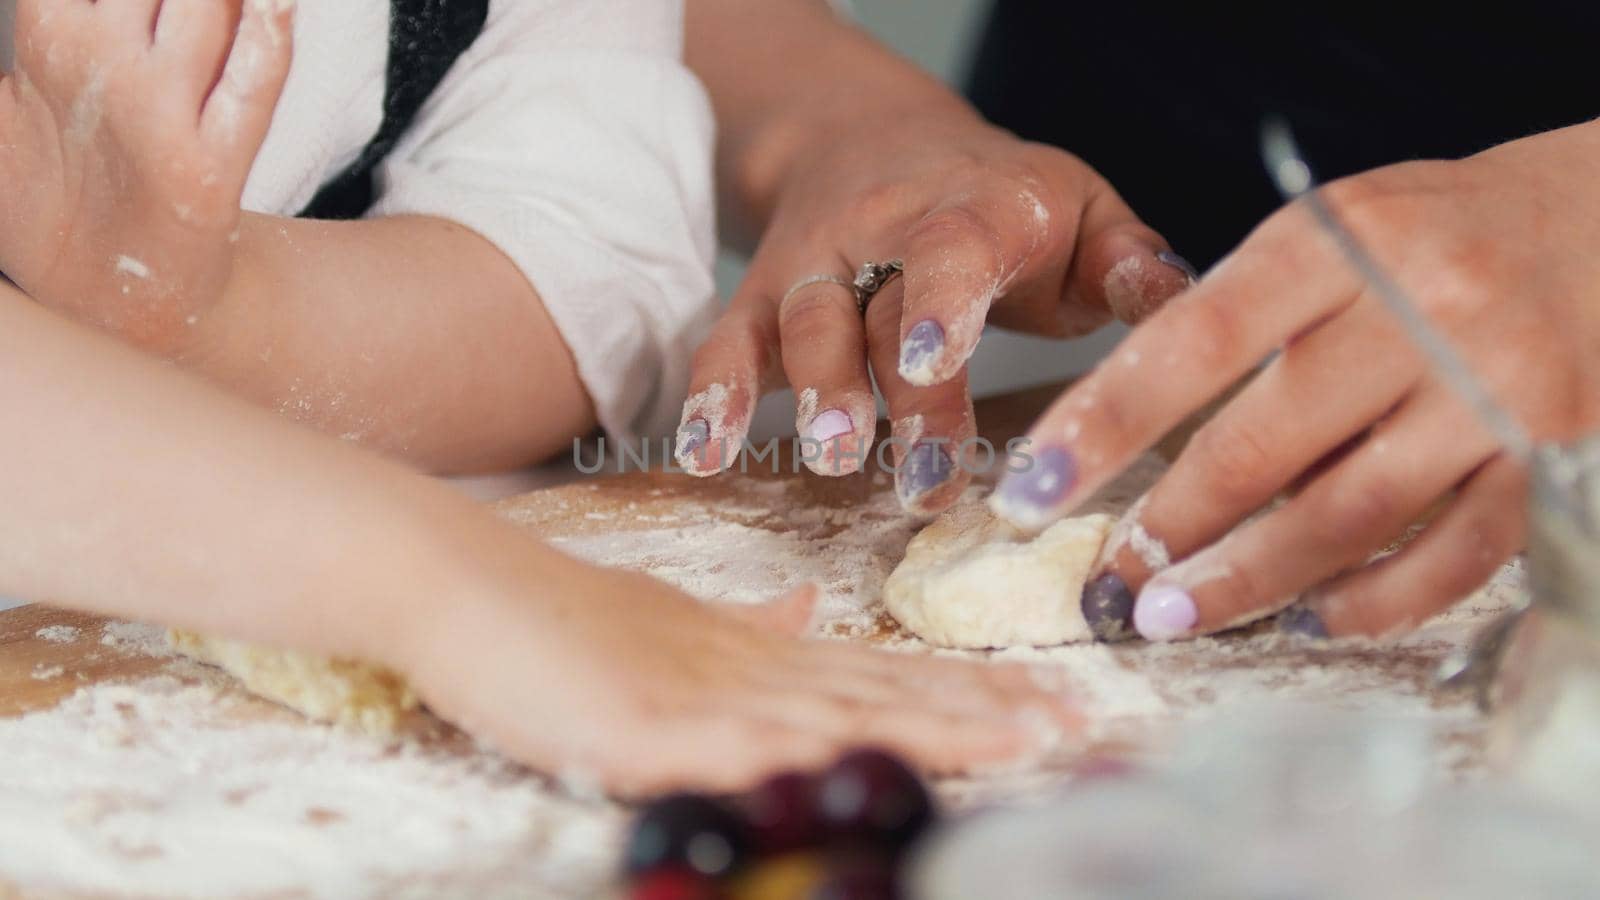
(344, 692)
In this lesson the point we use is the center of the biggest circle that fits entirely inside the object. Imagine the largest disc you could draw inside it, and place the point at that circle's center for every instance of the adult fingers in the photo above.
(1351, 371)
(1458, 551)
(1190, 352)
(933, 430)
(726, 379)
(1000, 238)
(1372, 495)
(825, 359)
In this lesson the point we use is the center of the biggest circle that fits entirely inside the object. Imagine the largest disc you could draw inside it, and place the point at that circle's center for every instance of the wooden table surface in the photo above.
(1182, 681)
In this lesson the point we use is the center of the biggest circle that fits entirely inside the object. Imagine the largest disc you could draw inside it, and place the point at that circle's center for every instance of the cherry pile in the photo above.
(838, 835)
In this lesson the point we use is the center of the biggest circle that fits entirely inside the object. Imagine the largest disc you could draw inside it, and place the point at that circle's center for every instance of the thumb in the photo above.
(788, 615)
(1121, 264)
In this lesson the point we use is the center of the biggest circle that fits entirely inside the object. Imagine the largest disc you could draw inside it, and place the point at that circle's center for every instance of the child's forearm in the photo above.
(784, 74)
(133, 490)
(410, 334)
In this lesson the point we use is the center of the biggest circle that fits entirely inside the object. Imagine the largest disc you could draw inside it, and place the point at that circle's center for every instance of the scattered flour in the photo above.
(127, 265)
(87, 109)
(153, 789)
(57, 634)
(135, 638)
(846, 553)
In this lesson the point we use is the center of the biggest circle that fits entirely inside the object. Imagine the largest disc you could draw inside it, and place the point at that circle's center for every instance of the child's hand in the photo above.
(129, 127)
(615, 677)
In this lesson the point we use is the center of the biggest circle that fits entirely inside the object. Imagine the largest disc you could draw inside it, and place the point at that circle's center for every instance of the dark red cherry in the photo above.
(859, 877)
(869, 796)
(674, 883)
(687, 831)
(781, 814)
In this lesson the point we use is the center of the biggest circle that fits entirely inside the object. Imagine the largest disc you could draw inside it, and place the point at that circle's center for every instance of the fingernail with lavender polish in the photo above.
(925, 467)
(692, 435)
(1164, 612)
(1179, 263)
(1302, 621)
(920, 350)
(829, 424)
(1108, 608)
(1029, 496)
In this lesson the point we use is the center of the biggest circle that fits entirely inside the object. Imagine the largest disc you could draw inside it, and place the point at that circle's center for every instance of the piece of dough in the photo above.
(970, 580)
(345, 692)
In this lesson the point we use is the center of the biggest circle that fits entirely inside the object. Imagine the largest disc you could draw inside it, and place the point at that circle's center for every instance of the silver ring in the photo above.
(873, 277)
(816, 279)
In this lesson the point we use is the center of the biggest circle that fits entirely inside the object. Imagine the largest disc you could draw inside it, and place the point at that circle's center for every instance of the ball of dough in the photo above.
(970, 580)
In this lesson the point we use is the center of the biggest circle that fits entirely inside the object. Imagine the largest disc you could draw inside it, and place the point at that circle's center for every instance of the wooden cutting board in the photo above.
(714, 534)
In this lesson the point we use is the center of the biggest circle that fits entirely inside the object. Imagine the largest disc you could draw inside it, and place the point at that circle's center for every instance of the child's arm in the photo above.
(410, 334)
(539, 260)
(133, 490)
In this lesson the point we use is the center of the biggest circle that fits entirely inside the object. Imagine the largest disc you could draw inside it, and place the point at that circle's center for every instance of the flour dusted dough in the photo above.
(970, 580)
(353, 694)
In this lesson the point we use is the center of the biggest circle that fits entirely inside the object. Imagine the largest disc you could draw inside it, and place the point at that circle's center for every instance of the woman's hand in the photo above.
(990, 228)
(623, 680)
(1347, 417)
(838, 153)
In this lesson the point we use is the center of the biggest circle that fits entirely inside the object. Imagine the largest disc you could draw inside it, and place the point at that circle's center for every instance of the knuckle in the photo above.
(1454, 293)
(1367, 508)
(956, 222)
(1236, 598)
(1235, 461)
(879, 203)
(814, 310)
(1213, 335)
(1350, 196)
(1483, 543)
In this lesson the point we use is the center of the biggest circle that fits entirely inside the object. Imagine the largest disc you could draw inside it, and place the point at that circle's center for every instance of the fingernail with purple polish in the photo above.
(1108, 608)
(692, 435)
(921, 349)
(1179, 263)
(1164, 612)
(1040, 487)
(1302, 621)
(926, 467)
(829, 424)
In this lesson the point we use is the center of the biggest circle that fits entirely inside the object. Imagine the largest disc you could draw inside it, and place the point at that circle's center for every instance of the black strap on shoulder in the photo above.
(425, 39)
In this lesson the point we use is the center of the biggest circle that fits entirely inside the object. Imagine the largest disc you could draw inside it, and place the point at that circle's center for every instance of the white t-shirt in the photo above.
(570, 135)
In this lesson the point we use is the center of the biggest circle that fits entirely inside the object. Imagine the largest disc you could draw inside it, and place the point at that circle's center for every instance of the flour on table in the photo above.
(846, 553)
(57, 634)
(160, 788)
